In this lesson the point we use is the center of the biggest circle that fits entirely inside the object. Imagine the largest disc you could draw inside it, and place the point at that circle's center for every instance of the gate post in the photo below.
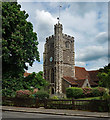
(108, 105)
(45, 103)
(73, 105)
(37, 102)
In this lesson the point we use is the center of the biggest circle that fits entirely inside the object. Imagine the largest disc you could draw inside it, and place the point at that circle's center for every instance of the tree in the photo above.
(35, 80)
(19, 46)
(40, 73)
(105, 79)
(19, 41)
(105, 69)
(10, 86)
(104, 76)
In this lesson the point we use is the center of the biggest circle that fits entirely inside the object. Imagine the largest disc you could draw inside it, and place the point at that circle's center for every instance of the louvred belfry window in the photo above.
(67, 44)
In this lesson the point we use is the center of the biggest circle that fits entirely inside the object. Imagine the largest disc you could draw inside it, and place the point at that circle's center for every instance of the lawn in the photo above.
(89, 98)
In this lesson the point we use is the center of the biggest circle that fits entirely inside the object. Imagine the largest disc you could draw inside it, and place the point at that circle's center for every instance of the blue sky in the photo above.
(86, 21)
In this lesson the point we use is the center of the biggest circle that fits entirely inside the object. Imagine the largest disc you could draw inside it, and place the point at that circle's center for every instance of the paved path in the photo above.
(57, 111)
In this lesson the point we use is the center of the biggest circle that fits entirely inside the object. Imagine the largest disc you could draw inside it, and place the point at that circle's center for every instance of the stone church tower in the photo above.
(58, 59)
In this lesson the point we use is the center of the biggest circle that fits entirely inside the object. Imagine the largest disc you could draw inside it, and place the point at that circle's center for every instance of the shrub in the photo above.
(87, 92)
(106, 97)
(95, 92)
(42, 95)
(8, 93)
(99, 91)
(74, 92)
(23, 93)
(102, 91)
(55, 97)
(34, 91)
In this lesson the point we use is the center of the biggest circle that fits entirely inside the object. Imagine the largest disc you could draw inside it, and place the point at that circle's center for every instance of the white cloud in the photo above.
(45, 17)
(41, 49)
(92, 53)
(102, 37)
(27, 64)
(85, 24)
(44, 24)
(35, 68)
(96, 64)
(63, 1)
(77, 63)
(81, 18)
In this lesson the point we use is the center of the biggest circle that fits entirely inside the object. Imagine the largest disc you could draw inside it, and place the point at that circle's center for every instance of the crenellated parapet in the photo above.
(58, 25)
(50, 38)
(65, 36)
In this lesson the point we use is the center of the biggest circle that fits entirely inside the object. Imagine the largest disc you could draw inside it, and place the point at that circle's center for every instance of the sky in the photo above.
(87, 22)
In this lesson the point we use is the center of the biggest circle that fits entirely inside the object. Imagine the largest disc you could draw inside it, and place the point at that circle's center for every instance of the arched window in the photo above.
(49, 75)
(52, 75)
(52, 91)
(67, 44)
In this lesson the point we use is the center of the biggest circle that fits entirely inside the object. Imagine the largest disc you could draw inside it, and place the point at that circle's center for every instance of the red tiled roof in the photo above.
(93, 75)
(71, 80)
(81, 73)
(74, 81)
(92, 83)
(26, 74)
(80, 82)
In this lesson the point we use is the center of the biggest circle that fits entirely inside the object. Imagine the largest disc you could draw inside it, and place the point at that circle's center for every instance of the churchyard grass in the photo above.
(90, 98)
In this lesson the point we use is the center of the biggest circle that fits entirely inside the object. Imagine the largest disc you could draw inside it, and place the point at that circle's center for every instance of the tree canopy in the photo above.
(19, 42)
(104, 75)
(35, 80)
(19, 46)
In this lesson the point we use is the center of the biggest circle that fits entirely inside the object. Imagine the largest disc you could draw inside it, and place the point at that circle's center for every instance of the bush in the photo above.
(106, 97)
(102, 91)
(87, 92)
(99, 91)
(23, 94)
(74, 92)
(8, 93)
(55, 97)
(42, 95)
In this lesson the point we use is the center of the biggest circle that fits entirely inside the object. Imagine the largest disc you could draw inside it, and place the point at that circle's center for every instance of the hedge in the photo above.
(42, 95)
(87, 92)
(74, 92)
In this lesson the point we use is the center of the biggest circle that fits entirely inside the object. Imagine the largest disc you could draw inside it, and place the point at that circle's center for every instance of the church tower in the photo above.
(58, 59)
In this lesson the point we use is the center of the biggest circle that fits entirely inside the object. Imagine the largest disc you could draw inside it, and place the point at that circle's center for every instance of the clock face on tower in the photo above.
(51, 59)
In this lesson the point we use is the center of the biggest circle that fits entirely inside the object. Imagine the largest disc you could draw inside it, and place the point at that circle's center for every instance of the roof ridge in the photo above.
(80, 67)
(69, 80)
(93, 71)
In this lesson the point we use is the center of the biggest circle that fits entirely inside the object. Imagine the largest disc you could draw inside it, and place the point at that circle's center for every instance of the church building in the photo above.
(59, 63)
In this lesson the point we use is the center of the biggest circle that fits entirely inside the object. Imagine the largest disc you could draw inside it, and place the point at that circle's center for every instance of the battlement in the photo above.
(68, 37)
(58, 25)
(50, 38)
